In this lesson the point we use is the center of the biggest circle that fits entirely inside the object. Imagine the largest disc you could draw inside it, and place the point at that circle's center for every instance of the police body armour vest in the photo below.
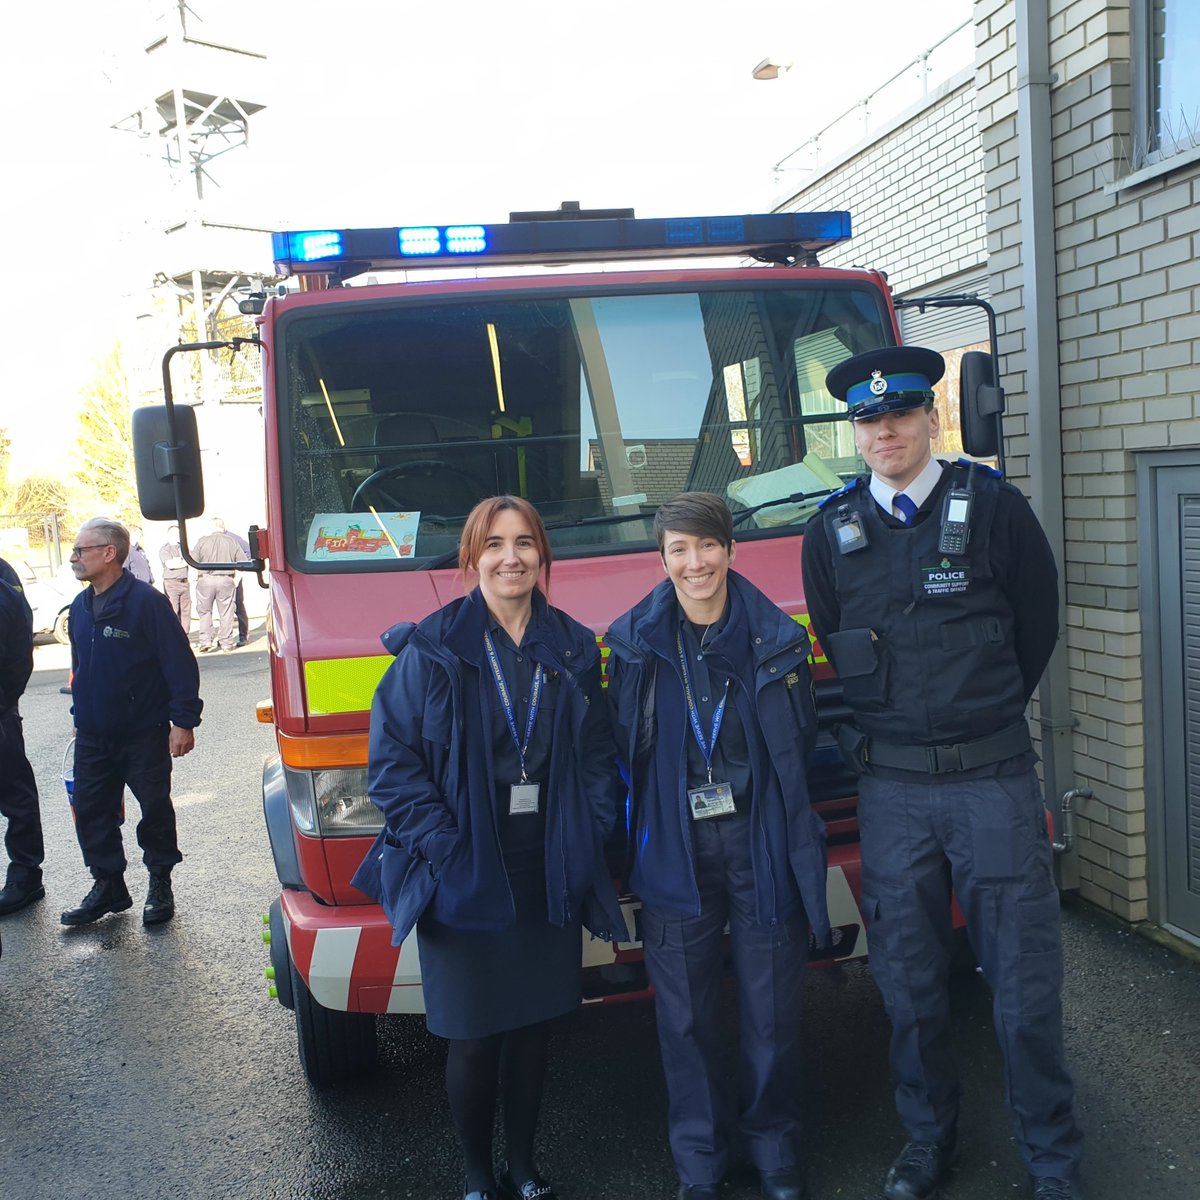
(930, 656)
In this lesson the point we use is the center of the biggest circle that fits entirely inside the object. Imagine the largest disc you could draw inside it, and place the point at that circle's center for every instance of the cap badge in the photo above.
(878, 384)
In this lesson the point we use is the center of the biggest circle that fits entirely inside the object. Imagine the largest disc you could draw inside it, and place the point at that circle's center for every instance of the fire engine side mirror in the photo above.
(981, 405)
(169, 480)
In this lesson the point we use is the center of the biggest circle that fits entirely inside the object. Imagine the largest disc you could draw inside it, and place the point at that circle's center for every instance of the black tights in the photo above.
(513, 1065)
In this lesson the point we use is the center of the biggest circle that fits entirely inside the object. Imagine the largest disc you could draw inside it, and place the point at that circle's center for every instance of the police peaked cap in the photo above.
(892, 379)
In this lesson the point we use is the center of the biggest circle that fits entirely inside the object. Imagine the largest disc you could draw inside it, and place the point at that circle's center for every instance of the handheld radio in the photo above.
(956, 517)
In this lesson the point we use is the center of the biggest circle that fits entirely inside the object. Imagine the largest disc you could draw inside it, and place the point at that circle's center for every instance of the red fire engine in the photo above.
(592, 362)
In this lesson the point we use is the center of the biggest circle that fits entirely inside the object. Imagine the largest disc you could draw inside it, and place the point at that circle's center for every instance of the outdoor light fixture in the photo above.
(771, 68)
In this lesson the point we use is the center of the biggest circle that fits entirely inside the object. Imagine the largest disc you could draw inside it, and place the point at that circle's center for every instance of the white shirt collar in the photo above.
(918, 491)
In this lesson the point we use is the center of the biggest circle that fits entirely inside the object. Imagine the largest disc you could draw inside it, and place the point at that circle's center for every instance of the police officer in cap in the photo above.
(934, 593)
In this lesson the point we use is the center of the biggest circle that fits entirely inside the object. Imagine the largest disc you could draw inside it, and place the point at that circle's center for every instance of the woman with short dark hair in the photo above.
(491, 759)
(710, 688)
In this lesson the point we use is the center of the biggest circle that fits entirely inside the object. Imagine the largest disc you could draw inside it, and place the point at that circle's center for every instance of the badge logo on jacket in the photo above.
(111, 631)
(946, 578)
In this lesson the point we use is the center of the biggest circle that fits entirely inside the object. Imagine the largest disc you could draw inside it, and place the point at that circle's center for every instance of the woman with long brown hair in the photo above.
(492, 761)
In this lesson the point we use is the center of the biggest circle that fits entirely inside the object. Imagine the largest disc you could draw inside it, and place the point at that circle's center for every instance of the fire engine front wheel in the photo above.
(335, 1047)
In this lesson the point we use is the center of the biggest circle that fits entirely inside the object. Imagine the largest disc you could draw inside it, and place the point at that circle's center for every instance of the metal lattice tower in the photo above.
(196, 123)
(193, 99)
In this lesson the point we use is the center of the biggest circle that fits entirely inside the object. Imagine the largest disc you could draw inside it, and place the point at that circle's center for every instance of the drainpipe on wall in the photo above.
(1040, 291)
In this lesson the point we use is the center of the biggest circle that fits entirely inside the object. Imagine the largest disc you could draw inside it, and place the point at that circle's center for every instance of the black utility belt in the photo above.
(936, 760)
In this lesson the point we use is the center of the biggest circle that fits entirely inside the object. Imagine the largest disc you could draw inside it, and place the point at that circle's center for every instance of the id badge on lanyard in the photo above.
(524, 797)
(714, 798)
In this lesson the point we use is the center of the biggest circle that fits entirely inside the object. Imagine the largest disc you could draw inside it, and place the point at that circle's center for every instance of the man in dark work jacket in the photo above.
(939, 651)
(136, 704)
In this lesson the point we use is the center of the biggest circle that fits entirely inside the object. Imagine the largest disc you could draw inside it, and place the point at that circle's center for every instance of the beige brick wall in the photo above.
(1128, 338)
(915, 194)
(1128, 267)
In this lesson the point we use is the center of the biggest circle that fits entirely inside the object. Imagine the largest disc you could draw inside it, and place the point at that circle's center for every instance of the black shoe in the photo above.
(108, 895)
(16, 894)
(160, 902)
(699, 1191)
(785, 1184)
(1045, 1188)
(532, 1189)
(918, 1170)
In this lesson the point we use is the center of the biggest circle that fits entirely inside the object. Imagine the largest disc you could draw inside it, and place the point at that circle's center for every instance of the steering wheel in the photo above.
(396, 470)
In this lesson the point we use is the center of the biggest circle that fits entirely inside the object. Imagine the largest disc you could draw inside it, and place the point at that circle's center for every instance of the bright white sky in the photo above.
(383, 113)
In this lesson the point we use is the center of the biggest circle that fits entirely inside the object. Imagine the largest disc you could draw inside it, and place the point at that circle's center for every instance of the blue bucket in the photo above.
(68, 773)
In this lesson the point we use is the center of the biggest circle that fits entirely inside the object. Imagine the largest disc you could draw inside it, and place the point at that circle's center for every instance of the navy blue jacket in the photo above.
(134, 671)
(776, 708)
(430, 774)
(16, 645)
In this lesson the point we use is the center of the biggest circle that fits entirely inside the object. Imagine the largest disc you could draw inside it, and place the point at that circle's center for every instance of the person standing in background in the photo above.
(176, 585)
(137, 703)
(239, 599)
(137, 564)
(215, 588)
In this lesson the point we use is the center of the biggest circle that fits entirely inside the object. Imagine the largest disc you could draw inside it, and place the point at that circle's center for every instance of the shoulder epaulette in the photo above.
(967, 463)
(842, 491)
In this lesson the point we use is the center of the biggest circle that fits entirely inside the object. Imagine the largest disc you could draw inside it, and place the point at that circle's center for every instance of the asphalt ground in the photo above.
(144, 1063)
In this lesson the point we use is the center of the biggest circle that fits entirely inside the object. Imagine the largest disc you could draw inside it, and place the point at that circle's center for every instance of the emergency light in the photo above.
(776, 237)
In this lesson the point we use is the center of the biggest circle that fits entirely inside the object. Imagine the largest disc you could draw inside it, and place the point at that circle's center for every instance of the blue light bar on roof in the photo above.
(420, 240)
(314, 246)
(466, 239)
(348, 252)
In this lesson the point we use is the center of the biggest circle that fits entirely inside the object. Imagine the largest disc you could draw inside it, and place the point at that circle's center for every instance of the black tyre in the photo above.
(335, 1047)
(60, 630)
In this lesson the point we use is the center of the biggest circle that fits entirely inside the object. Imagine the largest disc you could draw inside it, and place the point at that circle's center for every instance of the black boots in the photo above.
(160, 902)
(108, 895)
(17, 893)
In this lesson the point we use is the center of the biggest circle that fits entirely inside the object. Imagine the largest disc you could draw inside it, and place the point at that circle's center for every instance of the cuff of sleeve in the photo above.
(437, 848)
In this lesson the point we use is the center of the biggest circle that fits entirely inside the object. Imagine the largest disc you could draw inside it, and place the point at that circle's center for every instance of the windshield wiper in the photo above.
(609, 519)
(441, 560)
(794, 498)
(444, 560)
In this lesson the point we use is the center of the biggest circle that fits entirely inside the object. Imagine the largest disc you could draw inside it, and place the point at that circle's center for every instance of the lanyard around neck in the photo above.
(535, 699)
(707, 748)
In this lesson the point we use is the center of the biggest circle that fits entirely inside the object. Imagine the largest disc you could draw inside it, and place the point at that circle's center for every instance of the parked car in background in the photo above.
(50, 598)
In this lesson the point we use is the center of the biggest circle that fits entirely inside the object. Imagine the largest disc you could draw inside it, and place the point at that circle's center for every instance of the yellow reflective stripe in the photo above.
(806, 621)
(341, 685)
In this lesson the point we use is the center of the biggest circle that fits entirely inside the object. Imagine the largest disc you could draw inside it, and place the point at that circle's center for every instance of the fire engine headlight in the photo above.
(343, 806)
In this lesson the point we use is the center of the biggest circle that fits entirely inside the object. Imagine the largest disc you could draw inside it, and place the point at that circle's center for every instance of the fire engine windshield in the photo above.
(397, 417)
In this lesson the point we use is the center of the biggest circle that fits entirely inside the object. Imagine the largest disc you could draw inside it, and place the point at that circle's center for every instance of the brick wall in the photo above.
(915, 193)
(937, 194)
(1128, 339)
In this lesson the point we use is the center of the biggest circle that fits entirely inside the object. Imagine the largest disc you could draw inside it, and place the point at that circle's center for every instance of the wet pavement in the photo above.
(145, 1063)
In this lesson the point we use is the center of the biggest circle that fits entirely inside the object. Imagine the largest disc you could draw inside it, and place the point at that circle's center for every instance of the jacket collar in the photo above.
(465, 621)
(649, 627)
(113, 599)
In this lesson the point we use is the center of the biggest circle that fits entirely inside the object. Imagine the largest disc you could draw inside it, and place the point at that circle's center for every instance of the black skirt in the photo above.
(482, 983)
